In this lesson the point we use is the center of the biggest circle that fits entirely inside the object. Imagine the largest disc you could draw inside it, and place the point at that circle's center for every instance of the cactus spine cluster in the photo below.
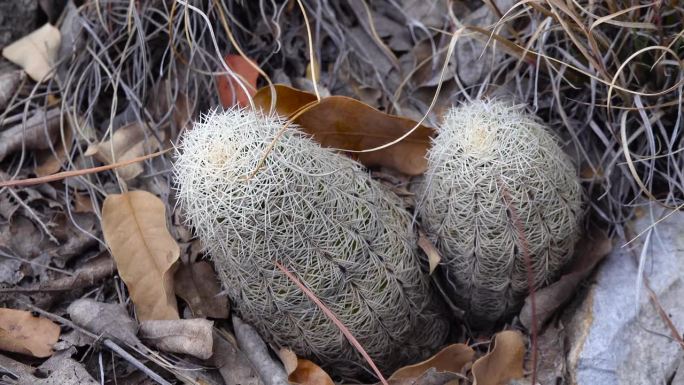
(318, 213)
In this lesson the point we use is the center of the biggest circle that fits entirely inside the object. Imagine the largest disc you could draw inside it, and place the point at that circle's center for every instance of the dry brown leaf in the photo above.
(230, 92)
(35, 52)
(127, 142)
(308, 373)
(301, 371)
(503, 363)
(348, 124)
(288, 99)
(588, 254)
(199, 287)
(83, 203)
(22, 332)
(187, 336)
(134, 227)
(430, 250)
(450, 359)
(37, 134)
(289, 360)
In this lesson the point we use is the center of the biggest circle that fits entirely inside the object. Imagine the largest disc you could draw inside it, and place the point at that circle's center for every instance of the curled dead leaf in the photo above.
(425, 244)
(230, 92)
(301, 371)
(452, 358)
(503, 363)
(289, 360)
(187, 336)
(308, 373)
(134, 227)
(347, 124)
(105, 319)
(22, 332)
(35, 52)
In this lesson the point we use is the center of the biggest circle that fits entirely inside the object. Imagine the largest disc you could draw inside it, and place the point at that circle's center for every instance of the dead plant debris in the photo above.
(95, 94)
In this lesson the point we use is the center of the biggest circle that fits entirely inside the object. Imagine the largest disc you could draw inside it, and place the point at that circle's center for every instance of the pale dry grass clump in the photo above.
(318, 213)
(608, 77)
(498, 186)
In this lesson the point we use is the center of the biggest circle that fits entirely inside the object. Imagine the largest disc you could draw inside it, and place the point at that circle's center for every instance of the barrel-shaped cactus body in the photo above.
(257, 192)
(499, 199)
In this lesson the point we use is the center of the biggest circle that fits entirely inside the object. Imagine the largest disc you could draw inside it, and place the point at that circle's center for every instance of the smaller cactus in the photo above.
(344, 235)
(493, 173)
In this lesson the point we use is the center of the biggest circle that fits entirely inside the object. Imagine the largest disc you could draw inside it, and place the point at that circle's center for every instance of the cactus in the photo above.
(319, 214)
(498, 186)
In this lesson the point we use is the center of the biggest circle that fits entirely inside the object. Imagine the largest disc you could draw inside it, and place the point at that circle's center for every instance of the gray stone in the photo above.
(617, 336)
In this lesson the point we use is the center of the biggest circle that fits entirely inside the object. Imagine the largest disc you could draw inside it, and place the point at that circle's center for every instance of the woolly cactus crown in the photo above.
(319, 214)
(495, 173)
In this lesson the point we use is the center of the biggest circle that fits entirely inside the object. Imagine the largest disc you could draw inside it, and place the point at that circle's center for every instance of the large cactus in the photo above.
(318, 213)
(498, 186)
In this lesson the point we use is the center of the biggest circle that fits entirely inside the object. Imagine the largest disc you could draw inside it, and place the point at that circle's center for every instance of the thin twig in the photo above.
(69, 174)
(107, 342)
(335, 320)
